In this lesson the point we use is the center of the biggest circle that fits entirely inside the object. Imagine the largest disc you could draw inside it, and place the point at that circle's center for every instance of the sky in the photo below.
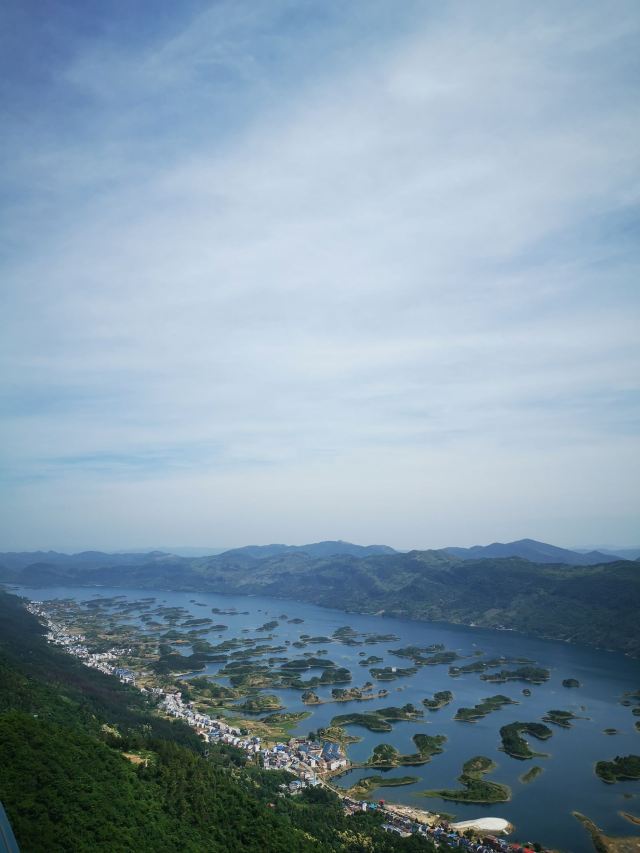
(304, 269)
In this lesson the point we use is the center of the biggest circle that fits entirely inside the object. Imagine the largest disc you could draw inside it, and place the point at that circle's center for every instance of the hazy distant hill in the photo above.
(85, 559)
(314, 549)
(594, 605)
(623, 553)
(536, 552)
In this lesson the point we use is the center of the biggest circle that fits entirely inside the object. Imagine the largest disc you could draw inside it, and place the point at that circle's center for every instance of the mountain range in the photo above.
(527, 549)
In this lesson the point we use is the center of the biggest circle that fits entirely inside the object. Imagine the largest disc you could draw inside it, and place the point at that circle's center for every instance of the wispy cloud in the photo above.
(328, 254)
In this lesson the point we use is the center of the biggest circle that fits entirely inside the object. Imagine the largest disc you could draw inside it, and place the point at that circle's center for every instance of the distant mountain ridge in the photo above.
(84, 559)
(534, 551)
(18, 560)
(327, 548)
(526, 549)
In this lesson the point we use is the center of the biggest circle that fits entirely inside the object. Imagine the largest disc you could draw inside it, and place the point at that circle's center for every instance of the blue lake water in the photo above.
(541, 810)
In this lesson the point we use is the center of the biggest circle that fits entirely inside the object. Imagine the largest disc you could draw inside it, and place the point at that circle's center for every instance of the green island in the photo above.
(379, 720)
(570, 682)
(482, 709)
(406, 712)
(251, 675)
(440, 700)
(337, 734)
(385, 755)
(331, 675)
(373, 638)
(610, 731)
(390, 673)
(483, 665)
(368, 661)
(304, 663)
(622, 767)
(515, 745)
(531, 774)
(531, 674)
(345, 694)
(347, 636)
(475, 788)
(308, 640)
(309, 697)
(560, 718)
(364, 787)
(416, 651)
(426, 655)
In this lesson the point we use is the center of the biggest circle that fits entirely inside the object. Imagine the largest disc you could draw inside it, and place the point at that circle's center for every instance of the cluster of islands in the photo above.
(246, 671)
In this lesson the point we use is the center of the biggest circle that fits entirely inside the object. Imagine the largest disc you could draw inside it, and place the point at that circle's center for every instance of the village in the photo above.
(312, 762)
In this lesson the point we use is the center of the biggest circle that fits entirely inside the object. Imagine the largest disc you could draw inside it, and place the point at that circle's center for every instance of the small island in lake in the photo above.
(623, 767)
(531, 774)
(475, 788)
(364, 787)
(440, 700)
(385, 755)
(531, 674)
(380, 720)
(390, 673)
(515, 745)
(337, 734)
(491, 703)
(570, 682)
(368, 721)
(560, 718)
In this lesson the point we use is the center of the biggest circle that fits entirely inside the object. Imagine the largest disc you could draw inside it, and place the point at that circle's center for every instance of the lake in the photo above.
(540, 810)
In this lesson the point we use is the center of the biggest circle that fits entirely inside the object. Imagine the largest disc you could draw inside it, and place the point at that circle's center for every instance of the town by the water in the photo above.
(312, 762)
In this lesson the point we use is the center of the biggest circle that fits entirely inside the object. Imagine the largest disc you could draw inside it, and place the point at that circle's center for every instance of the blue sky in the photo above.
(289, 271)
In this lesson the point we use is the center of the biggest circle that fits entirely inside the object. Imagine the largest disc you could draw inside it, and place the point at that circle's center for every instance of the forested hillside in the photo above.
(87, 766)
(595, 605)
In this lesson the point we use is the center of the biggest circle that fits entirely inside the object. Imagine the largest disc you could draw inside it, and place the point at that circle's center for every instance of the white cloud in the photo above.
(405, 266)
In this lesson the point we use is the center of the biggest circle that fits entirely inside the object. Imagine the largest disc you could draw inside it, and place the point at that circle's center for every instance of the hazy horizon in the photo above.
(286, 272)
(203, 550)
